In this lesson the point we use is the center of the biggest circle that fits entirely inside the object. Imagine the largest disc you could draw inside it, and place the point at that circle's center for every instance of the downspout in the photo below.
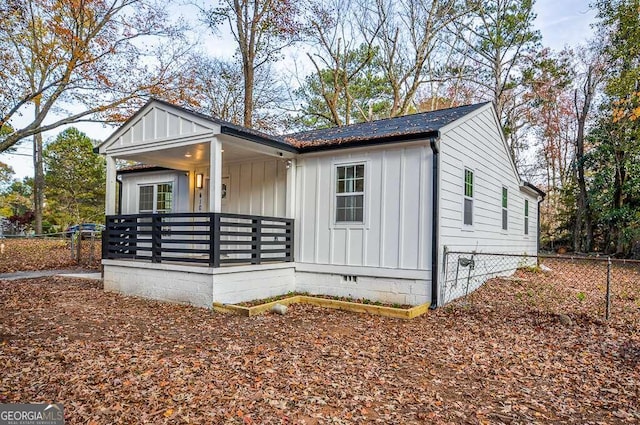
(119, 206)
(435, 148)
(540, 199)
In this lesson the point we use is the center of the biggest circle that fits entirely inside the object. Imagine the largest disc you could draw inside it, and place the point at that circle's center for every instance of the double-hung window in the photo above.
(468, 198)
(526, 216)
(156, 198)
(350, 193)
(505, 210)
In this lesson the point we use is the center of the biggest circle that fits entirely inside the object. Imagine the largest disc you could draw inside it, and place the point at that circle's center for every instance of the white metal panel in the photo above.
(476, 144)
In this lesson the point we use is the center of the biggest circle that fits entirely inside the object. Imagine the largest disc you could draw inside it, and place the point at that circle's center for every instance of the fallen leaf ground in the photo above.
(45, 254)
(501, 356)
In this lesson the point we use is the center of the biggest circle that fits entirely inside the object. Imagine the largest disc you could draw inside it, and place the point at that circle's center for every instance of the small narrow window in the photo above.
(505, 214)
(526, 216)
(350, 193)
(468, 198)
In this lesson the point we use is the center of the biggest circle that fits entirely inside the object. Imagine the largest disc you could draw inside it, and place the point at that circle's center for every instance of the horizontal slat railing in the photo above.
(212, 239)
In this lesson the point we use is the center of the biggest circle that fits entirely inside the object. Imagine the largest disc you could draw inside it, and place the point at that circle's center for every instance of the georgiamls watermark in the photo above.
(32, 414)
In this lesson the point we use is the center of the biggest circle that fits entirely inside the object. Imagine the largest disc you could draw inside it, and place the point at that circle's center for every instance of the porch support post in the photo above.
(215, 176)
(291, 189)
(110, 199)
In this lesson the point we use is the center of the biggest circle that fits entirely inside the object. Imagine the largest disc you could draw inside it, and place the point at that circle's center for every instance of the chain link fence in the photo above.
(50, 251)
(579, 285)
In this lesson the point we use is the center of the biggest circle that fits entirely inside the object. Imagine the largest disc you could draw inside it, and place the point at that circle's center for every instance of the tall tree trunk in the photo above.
(38, 182)
(248, 94)
(584, 207)
(38, 176)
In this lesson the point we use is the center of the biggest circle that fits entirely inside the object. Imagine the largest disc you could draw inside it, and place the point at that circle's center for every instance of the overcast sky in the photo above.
(561, 22)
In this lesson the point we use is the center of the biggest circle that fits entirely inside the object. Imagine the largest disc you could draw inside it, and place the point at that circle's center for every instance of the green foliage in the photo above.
(350, 93)
(74, 179)
(15, 199)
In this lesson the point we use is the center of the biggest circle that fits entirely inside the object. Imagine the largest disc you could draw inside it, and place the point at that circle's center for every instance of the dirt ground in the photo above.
(501, 356)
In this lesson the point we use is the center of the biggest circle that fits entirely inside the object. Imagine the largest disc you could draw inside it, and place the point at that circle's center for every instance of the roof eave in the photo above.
(371, 142)
(276, 144)
(533, 188)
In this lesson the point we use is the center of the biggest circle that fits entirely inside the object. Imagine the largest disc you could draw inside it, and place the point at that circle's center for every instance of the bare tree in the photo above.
(83, 61)
(410, 35)
(261, 29)
(218, 90)
(590, 77)
(501, 42)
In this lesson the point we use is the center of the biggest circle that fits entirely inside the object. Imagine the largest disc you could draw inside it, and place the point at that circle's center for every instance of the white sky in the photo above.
(561, 22)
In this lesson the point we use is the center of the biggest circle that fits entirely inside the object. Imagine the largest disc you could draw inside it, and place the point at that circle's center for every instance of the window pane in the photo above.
(504, 197)
(504, 219)
(145, 202)
(468, 212)
(526, 225)
(468, 183)
(350, 208)
(349, 171)
(526, 208)
(165, 197)
(350, 180)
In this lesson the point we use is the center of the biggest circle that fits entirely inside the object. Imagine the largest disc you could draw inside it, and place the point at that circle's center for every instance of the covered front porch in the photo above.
(212, 194)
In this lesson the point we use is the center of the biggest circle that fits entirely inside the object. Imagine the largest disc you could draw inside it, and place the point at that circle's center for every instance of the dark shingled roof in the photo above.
(409, 127)
(387, 130)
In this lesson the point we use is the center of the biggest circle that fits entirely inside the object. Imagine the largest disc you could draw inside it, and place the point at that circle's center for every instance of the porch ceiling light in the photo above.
(187, 155)
(199, 181)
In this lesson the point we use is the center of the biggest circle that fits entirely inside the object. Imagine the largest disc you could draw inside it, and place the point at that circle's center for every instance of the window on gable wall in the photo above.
(468, 198)
(505, 210)
(526, 216)
(350, 193)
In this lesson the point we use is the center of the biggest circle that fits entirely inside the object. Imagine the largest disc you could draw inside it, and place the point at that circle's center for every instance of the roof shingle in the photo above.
(391, 128)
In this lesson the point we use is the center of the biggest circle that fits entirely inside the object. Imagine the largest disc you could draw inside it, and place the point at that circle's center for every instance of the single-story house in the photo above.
(223, 213)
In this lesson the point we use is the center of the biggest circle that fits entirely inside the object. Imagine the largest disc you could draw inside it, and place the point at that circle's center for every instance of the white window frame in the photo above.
(466, 226)
(504, 211)
(336, 195)
(155, 197)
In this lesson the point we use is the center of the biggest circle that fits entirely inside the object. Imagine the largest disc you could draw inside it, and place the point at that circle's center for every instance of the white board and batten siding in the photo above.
(255, 187)
(131, 183)
(388, 256)
(158, 124)
(475, 142)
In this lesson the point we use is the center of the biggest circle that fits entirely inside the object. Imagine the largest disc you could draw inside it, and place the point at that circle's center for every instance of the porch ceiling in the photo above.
(193, 156)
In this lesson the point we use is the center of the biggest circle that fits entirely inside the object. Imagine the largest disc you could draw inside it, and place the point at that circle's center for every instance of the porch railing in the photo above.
(212, 239)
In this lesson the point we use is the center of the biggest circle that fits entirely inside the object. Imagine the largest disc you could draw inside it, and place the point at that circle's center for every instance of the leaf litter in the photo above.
(495, 358)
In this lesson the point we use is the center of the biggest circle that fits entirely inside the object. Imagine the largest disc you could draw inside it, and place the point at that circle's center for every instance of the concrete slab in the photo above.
(90, 276)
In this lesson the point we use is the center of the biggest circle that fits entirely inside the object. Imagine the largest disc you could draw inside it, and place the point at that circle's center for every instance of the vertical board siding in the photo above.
(256, 187)
(476, 144)
(397, 210)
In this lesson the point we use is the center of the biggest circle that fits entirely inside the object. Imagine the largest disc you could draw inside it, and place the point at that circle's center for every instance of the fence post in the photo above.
(214, 240)
(156, 238)
(79, 245)
(608, 296)
(256, 230)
